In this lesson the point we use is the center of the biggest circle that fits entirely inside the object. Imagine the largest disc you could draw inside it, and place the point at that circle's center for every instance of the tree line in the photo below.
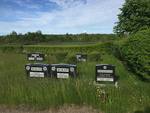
(38, 37)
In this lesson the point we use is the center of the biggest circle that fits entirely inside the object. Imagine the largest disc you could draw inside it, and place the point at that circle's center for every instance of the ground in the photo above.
(65, 109)
(16, 89)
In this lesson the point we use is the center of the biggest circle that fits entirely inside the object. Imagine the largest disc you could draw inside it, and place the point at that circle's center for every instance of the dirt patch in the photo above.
(64, 109)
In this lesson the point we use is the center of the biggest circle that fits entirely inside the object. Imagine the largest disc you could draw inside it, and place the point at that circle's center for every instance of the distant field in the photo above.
(67, 43)
(61, 44)
(16, 89)
(55, 43)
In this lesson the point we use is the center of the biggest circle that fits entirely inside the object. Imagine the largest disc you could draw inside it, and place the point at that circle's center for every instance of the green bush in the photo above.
(135, 51)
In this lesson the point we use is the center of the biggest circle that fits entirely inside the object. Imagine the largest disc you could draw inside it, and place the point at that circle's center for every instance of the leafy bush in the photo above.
(135, 51)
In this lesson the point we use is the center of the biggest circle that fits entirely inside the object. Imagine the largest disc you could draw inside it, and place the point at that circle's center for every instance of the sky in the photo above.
(59, 16)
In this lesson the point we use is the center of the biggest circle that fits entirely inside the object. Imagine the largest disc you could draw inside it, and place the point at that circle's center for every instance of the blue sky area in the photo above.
(59, 16)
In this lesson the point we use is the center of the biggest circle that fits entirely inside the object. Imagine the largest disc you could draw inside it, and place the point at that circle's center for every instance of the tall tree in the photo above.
(134, 16)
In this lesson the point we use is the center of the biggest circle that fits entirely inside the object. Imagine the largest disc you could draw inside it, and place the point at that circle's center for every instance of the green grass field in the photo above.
(41, 93)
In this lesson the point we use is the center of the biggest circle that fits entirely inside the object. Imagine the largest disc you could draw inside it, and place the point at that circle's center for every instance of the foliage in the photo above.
(28, 38)
(81, 37)
(135, 51)
(134, 16)
(39, 38)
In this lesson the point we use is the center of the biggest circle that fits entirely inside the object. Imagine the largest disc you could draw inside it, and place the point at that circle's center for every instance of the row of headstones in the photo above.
(104, 72)
(41, 57)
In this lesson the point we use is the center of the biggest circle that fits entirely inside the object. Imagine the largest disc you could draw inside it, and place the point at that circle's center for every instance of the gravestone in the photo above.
(63, 70)
(81, 57)
(37, 70)
(35, 56)
(105, 73)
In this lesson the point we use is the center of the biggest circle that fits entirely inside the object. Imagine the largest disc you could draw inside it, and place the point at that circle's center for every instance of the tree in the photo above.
(39, 32)
(134, 16)
(14, 33)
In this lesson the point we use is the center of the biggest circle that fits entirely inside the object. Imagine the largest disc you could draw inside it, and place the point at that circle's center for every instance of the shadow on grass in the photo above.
(117, 78)
(146, 110)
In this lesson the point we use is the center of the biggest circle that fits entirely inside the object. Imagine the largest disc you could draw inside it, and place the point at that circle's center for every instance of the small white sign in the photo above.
(83, 60)
(62, 75)
(36, 74)
(78, 56)
(105, 79)
(39, 58)
(31, 58)
(35, 55)
(36, 69)
(62, 70)
(104, 71)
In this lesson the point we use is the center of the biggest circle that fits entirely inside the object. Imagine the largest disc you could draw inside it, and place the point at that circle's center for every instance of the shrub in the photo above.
(135, 51)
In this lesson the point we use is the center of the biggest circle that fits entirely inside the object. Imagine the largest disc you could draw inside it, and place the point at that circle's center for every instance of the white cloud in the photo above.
(68, 3)
(94, 16)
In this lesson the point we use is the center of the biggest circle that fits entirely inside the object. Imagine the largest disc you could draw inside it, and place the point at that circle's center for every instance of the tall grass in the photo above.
(16, 89)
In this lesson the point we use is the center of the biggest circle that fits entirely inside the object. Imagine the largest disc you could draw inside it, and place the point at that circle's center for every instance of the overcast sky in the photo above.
(58, 16)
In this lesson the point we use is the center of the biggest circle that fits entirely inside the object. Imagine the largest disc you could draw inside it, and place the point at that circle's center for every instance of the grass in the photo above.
(16, 89)
(67, 43)
(50, 48)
